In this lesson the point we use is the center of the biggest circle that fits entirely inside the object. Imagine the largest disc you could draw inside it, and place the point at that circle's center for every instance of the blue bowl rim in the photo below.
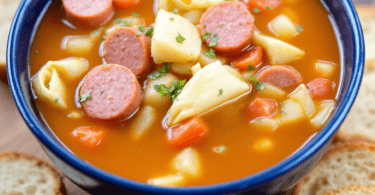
(253, 180)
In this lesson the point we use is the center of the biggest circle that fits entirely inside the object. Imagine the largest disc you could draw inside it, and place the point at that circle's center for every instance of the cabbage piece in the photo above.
(326, 108)
(278, 52)
(194, 4)
(208, 88)
(165, 45)
(168, 180)
(48, 84)
(303, 97)
(187, 162)
(283, 27)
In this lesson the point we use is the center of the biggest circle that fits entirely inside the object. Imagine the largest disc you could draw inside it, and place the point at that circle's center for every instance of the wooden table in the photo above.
(15, 135)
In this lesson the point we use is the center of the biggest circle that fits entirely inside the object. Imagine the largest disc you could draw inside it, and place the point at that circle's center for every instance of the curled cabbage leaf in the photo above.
(208, 88)
(48, 84)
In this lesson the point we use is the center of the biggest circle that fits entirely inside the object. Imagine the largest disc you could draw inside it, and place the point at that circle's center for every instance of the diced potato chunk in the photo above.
(196, 68)
(195, 4)
(183, 68)
(79, 45)
(326, 69)
(166, 5)
(193, 16)
(142, 121)
(283, 27)
(204, 60)
(291, 112)
(152, 97)
(325, 110)
(303, 97)
(278, 52)
(168, 181)
(130, 21)
(234, 72)
(263, 145)
(272, 91)
(187, 161)
(267, 124)
(164, 45)
(196, 98)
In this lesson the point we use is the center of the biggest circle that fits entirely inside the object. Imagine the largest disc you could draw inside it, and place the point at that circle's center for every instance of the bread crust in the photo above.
(59, 188)
(338, 149)
(353, 189)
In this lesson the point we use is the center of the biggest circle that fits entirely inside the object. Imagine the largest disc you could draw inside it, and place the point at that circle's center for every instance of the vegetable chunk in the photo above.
(321, 88)
(325, 110)
(291, 112)
(253, 57)
(262, 107)
(195, 4)
(196, 98)
(165, 47)
(278, 52)
(168, 180)
(283, 27)
(152, 97)
(187, 161)
(88, 136)
(303, 97)
(142, 121)
(187, 133)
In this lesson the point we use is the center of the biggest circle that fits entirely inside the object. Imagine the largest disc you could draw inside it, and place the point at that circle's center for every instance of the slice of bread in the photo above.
(22, 174)
(352, 190)
(360, 122)
(344, 164)
(367, 18)
(7, 10)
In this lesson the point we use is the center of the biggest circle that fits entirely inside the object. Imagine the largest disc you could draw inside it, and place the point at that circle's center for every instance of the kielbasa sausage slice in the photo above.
(280, 75)
(130, 48)
(110, 92)
(88, 13)
(232, 24)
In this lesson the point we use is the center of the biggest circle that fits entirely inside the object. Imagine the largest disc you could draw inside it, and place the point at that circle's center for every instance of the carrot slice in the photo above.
(126, 4)
(321, 88)
(187, 133)
(252, 58)
(262, 107)
(88, 136)
(263, 6)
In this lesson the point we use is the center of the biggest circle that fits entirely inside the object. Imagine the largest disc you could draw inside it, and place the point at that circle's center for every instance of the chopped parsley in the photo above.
(103, 37)
(149, 31)
(171, 18)
(299, 28)
(161, 72)
(219, 149)
(118, 20)
(88, 6)
(213, 41)
(284, 113)
(175, 11)
(84, 97)
(141, 28)
(256, 10)
(204, 25)
(138, 34)
(206, 36)
(180, 38)
(174, 90)
(220, 92)
(101, 92)
(126, 23)
(56, 100)
(258, 85)
(117, 35)
(250, 67)
(135, 14)
(268, 8)
(211, 53)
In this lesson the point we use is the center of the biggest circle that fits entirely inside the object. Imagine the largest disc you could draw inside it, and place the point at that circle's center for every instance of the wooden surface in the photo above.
(15, 135)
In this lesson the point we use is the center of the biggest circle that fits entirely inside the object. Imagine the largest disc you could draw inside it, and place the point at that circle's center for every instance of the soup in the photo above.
(177, 94)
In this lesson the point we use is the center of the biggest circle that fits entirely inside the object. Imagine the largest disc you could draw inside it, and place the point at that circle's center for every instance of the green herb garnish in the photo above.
(219, 149)
(141, 28)
(256, 10)
(258, 85)
(56, 100)
(204, 25)
(138, 34)
(250, 67)
(88, 6)
(135, 14)
(175, 11)
(174, 90)
(118, 20)
(101, 92)
(180, 38)
(126, 23)
(162, 89)
(213, 41)
(299, 28)
(211, 53)
(268, 8)
(220, 92)
(206, 36)
(171, 18)
(149, 31)
(84, 97)
(161, 72)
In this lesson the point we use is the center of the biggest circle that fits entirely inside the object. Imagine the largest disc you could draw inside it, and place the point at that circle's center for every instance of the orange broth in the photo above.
(150, 157)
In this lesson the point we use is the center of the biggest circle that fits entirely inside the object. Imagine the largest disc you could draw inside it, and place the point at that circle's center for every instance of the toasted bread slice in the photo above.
(360, 122)
(367, 18)
(23, 174)
(352, 190)
(344, 164)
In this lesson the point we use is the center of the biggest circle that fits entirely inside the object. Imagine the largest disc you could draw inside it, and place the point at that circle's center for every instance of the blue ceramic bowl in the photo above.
(278, 178)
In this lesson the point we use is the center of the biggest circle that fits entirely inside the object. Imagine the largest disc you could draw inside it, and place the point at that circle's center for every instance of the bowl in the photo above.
(278, 178)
